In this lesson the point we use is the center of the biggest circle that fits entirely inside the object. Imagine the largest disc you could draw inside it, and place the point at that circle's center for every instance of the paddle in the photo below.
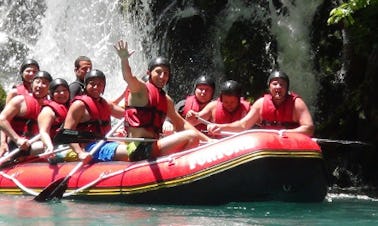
(322, 142)
(67, 136)
(57, 188)
(15, 151)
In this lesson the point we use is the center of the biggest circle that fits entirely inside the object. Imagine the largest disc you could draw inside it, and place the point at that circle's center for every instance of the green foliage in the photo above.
(345, 11)
(3, 95)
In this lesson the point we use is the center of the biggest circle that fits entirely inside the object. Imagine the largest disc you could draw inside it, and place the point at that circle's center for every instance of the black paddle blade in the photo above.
(66, 136)
(54, 190)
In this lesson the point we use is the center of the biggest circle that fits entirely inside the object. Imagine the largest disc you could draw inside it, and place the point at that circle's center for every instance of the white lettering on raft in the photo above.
(218, 151)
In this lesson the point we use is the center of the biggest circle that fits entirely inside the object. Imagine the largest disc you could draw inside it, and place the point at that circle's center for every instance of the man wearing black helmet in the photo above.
(91, 113)
(204, 87)
(280, 109)
(229, 107)
(18, 120)
(82, 64)
(28, 69)
(148, 107)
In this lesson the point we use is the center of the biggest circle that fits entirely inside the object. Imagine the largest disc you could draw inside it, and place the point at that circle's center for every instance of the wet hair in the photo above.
(79, 59)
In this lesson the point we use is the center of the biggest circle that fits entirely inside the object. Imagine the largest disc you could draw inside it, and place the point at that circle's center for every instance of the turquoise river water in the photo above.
(334, 210)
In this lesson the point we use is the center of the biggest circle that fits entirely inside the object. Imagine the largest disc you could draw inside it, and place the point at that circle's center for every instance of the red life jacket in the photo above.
(21, 89)
(99, 112)
(151, 116)
(222, 116)
(280, 117)
(191, 103)
(27, 126)
(60, 111)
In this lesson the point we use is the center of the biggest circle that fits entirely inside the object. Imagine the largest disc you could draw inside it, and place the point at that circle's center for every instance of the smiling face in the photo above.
(29, 73)
(95, 87)
(40, 87)
(278, 90)
(61, 94)
(159, 76)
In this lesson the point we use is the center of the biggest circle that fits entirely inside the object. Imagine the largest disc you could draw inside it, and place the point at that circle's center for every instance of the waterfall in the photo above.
(72, 28)
(63, 30)
(291, 24)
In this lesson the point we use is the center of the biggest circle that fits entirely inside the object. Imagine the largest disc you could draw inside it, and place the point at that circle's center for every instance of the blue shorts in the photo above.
(105, 153)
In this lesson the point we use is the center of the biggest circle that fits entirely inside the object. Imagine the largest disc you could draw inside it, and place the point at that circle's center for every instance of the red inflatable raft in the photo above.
(250, 166)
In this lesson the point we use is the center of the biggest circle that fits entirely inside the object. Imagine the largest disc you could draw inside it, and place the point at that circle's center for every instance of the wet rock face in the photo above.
(216, 38)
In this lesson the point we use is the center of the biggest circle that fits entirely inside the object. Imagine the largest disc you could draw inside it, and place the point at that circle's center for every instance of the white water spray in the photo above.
(292, 30)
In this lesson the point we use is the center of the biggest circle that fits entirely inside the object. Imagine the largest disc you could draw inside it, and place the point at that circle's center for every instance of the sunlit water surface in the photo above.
(335, 210)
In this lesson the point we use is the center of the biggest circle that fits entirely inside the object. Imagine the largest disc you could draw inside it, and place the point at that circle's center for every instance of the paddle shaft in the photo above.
(59, 186)
(15, 151)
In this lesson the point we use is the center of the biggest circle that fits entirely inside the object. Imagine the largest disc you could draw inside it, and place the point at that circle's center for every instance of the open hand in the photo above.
(122, 49)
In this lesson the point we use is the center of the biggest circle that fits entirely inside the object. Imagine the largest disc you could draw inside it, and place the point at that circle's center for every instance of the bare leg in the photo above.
(178, 142)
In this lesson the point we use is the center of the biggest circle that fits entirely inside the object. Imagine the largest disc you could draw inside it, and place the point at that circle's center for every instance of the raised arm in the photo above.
(134, 84)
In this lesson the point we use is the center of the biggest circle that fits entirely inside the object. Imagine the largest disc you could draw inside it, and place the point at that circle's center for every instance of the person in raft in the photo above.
(18, 120)
(28, 70)
(82, 64)
(91, 113)
(203, 93)
(229, 107)
(53, 112)
(148, 106)
(279, 109)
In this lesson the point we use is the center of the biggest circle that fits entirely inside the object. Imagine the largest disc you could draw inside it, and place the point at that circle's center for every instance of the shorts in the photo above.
(105, 153)
(138, 151)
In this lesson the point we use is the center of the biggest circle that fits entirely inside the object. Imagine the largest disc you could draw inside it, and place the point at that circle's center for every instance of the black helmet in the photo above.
(278, 74)
(94, 74)
(206, 80)
(27, 63)
(231, 88)
(57, 82)
(158, 61)
(43, 74)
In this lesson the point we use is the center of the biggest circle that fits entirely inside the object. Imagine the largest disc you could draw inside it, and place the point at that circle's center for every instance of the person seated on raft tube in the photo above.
(53, 112)
(279, 109)
(18, 120)
(229, 107)
(28, 69)
(91, 113)
(148, 106)
(204, 88)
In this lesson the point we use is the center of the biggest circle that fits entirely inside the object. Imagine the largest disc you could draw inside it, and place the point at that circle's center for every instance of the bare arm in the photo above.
(117, 111)
(250, 119)
(45, 120)
(75, 115)
(181, 124)
(15, 107)
(135, 85)
(205, 113)
(303, 116)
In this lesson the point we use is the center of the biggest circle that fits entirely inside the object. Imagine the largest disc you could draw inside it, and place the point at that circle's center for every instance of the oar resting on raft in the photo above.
(320, 141)
(56, 189)
(15, 151)
(67, 136)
